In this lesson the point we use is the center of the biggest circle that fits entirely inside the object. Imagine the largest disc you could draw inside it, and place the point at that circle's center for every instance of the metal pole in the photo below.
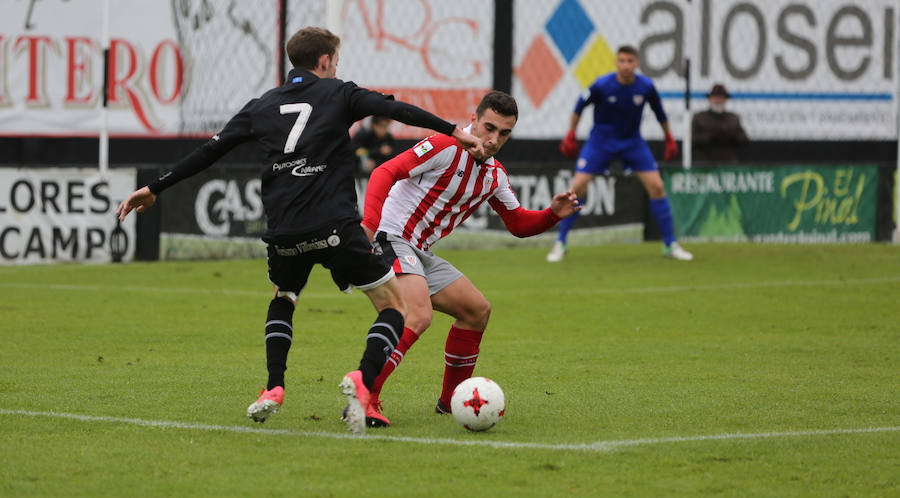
(282, 40)
(690, 43)
(686, 142)
(897, 170)
(897, 135)
(103, 153)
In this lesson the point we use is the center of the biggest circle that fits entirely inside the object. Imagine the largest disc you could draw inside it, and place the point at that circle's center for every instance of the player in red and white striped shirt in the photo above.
(419, 197)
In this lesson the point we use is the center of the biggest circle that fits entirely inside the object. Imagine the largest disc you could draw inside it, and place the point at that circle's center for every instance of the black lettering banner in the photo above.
(50, 215)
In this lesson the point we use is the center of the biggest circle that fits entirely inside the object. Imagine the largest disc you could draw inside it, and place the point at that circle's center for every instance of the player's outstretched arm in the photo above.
(564, 204)
(236, 131)
(523, 222)
(368, 103)
(139, 200)
(470, 142)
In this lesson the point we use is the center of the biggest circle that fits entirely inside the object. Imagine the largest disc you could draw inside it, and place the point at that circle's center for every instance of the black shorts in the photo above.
(345, 250)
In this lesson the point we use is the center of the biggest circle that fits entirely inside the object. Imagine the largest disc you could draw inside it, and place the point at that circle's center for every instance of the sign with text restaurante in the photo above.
(793, 204)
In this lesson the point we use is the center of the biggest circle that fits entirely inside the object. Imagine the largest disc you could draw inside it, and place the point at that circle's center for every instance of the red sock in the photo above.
(460, 355)
(406, 341)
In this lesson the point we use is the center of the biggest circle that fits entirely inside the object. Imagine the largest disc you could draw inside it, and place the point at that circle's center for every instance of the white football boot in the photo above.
(557, 253)
(676, 252)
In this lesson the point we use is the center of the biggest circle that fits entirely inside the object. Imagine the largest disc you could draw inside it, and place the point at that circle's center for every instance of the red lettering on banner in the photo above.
(426, 31)
(114, 83)
(77, 71)
(154, 72)
(35, 65)
(135, 84)
(426, 48)
(378, 32)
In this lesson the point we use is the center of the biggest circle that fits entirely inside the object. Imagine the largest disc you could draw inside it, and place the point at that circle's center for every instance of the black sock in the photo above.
(380, 343)
(279, 335)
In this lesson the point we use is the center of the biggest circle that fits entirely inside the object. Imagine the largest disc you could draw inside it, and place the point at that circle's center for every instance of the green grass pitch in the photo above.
(761, 370)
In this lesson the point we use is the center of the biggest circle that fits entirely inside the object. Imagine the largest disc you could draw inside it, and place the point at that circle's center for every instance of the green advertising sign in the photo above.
(774, 204)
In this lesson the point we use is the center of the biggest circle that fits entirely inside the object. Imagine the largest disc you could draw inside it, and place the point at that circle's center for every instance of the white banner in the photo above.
(174, 67)
(437, 55)
(823, 69)
(797, 69)
(51, 215)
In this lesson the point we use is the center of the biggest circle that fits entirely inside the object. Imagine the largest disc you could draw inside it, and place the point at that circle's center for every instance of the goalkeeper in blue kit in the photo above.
(618, 99)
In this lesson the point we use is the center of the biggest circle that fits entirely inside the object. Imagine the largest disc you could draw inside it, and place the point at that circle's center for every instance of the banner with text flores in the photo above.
(55, 215)
(792, 204)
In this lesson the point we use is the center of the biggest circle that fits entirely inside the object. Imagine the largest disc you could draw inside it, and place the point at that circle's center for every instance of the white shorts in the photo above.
(407, 258)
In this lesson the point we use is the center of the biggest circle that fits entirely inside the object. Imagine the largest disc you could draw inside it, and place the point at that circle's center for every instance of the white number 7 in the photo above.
(304, 111)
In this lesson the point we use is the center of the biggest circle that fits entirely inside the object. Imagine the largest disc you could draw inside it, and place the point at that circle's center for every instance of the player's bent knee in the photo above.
(477, 316)
(655, 188)
(418, 322)
(486, 311)
(387, 295)
(396, 302)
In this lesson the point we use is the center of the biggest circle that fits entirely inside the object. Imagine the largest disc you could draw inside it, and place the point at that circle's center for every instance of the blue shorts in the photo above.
(596, 156)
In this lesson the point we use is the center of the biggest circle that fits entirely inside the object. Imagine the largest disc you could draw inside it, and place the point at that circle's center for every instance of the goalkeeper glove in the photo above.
(569, 147)
(671, 148)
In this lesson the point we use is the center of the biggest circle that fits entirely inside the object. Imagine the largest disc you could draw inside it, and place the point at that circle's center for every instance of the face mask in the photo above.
(717, 108)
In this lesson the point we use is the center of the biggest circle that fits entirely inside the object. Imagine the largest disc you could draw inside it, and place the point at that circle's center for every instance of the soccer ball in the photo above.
(478, 403)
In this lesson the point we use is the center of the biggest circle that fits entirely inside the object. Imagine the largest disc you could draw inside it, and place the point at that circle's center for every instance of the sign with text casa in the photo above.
(791, 204)
(51, 215)
(217, 202)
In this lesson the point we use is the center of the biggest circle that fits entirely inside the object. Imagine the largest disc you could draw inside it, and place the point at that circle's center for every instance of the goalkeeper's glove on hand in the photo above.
(671, 148)
(568, 146)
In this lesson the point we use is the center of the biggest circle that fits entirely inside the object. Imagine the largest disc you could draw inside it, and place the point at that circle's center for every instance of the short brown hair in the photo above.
(308, 44)
(628, 49)
(500, 102)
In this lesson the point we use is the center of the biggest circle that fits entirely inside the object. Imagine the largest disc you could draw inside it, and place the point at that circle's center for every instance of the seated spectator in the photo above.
(374, 144)
(717, 134)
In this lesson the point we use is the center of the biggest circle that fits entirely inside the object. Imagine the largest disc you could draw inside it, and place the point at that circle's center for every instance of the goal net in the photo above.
(231, 52)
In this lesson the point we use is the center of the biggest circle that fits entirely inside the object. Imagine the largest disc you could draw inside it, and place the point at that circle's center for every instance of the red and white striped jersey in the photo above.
(438, 185)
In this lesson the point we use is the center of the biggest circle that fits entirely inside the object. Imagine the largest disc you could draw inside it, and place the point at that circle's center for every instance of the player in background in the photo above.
(309, 197)
(618, 99)
(419, 197)
(374, 144)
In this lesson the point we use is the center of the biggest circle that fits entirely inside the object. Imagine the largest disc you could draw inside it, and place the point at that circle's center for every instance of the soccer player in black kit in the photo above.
(309, 197)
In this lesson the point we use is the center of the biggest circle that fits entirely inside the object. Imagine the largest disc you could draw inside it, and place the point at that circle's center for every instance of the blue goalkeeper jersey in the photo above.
(618, 108)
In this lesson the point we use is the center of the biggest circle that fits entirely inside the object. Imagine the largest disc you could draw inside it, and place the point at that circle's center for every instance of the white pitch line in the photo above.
(157, 290)
(599, 446)
(634, 290)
